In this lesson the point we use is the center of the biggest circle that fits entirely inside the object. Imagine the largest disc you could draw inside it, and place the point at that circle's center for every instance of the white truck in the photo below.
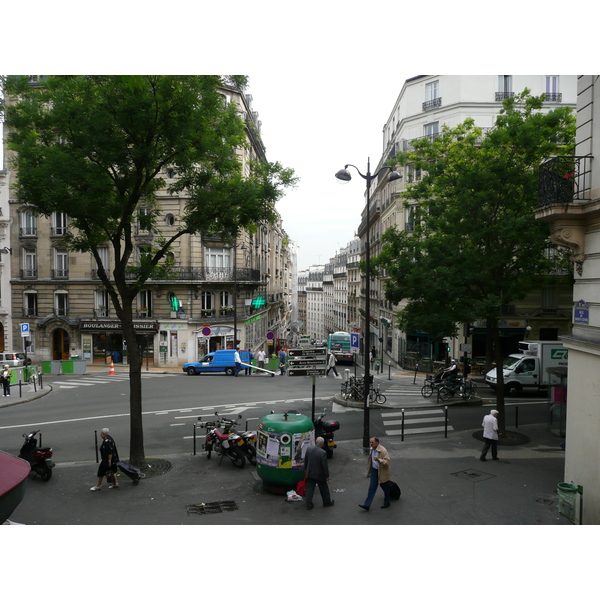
(527, 371)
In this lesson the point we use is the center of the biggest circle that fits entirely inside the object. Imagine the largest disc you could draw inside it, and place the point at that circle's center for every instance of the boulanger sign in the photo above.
(115, 326)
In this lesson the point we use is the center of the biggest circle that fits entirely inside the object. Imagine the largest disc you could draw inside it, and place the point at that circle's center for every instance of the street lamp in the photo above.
(343, 175)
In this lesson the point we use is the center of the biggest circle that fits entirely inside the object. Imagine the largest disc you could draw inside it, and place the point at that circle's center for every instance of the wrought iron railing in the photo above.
(210, 274)
(553, 97)
(502, 95)
(431, 104)
(564, 179)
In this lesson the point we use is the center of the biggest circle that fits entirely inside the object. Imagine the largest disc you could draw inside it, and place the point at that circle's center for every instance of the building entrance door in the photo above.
(60, 345)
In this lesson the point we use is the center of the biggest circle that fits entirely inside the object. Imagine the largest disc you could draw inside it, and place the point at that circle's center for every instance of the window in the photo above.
(432, 90)
(29, 262)
(28, 224)
(170, 220)
(30, 304)
(61, 303)
(552, 93)
(207, 300)
(61, 264)
(59, 226)
(218, 261)
(504, 87)
(101, 303)
(144, 303)
(431, 130)
(144, 220)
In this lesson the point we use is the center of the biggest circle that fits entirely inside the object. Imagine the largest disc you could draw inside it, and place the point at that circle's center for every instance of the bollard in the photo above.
(389, 370)
(446, 422)
(402, 424)
(194, 439)
(416, 371)
(516, 416)
(346, 374)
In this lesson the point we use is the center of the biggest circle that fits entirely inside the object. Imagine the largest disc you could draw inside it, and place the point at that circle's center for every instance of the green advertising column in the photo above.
(279, 444)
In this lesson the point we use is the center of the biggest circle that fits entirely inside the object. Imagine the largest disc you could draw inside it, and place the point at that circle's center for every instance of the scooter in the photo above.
(247, 441)
(223, 444)
(40, 459)
(325, 430)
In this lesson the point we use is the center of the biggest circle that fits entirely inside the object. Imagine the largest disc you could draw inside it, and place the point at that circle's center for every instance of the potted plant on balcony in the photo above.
(207, 312)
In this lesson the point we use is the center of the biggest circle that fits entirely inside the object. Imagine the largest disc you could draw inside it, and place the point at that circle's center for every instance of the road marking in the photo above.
(420, 430)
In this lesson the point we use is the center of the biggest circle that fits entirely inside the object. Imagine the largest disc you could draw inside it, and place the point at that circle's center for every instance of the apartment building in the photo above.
(569, 200)
(6, 333)
(315, 314)
(219, 292)
(425, 104)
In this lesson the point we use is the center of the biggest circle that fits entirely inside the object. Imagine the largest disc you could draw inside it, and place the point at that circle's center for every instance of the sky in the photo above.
(324, 77)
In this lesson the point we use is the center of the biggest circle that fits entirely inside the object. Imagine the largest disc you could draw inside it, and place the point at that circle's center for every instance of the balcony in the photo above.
(57, 231)
(503, 95)
(431, 104)
(28, 231)
(60, 273)
(29, 274)
(210, 274)
(554, 97)
(564, 180)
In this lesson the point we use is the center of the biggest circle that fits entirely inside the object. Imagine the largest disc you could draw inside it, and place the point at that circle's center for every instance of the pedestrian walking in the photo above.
(260, 358)
(108, 464)
(282, 359)
(238, 362)
(331, 362)
(5, 376)
(317, 473)
(379, 472)
(490, 435)
(251, 357)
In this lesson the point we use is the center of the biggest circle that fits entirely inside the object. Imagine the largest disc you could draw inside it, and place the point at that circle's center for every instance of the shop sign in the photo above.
(115, 326)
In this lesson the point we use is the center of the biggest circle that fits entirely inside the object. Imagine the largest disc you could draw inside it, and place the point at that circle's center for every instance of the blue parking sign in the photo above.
(354, 340)
(24, 329)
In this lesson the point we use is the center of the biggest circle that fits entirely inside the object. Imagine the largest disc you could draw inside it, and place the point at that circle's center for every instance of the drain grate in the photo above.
(211, 508)
(473, 475)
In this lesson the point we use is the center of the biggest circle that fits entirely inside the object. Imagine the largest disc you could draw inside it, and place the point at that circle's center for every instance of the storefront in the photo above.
(209, 339)
(103, 341)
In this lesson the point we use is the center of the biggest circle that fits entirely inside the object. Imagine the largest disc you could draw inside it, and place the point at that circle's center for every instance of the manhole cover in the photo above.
(473, 475)
(211, 508)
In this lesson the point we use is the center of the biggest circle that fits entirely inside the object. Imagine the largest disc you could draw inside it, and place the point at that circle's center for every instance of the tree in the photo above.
(97, 148)
(476, 246)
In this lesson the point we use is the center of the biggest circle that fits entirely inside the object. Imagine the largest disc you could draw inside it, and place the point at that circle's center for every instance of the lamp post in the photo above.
(343, 175)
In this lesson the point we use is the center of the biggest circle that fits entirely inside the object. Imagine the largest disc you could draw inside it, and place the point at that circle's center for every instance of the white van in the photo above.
(13, 359)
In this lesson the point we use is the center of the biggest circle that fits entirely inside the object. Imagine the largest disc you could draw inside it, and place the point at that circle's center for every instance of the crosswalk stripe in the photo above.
(419, 430)
(410, 421)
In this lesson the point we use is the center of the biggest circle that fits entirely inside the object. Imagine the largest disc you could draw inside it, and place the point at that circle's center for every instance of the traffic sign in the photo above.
(270, 335)
(307, 351)
(305, 372)
(24, 329)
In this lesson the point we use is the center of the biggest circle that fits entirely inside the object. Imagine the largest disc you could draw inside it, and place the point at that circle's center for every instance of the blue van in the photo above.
(217, 362)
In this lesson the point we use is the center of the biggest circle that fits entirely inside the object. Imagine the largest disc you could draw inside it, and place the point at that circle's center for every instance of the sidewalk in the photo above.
(442, 482)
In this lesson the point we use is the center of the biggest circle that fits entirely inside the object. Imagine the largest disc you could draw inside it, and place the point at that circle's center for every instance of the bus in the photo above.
(339, 344)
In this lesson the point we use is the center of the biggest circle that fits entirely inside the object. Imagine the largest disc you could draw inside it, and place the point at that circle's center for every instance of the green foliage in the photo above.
(96, 147)
(476, 245)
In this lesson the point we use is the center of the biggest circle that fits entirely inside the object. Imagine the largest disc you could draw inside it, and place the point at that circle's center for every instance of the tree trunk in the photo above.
(136, 434)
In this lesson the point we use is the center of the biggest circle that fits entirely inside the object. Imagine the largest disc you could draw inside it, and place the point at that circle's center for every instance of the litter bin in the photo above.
(566, 500)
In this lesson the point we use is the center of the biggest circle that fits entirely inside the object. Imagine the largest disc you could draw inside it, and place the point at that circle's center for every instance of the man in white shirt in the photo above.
(490, 435)
(260, 359)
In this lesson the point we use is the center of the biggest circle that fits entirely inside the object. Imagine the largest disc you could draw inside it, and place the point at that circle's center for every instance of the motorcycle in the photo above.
(40, 459)
(247, 439)
(325, 430)
(223, 444)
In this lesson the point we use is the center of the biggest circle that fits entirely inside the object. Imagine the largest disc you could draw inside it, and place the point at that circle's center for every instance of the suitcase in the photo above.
(394, 491)
(132, 472)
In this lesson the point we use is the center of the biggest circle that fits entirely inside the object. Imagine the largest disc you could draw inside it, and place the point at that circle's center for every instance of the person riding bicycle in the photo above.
(451, 373)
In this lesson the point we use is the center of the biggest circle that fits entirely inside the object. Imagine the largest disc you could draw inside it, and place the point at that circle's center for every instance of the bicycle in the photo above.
(465, 389)
(376, 397)
(432, 383)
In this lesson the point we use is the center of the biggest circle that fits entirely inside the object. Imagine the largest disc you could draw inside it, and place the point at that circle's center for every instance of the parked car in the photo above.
(13, 359)
(216, 362)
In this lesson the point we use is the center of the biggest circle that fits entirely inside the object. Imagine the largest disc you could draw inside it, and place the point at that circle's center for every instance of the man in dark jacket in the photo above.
(317, 473)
